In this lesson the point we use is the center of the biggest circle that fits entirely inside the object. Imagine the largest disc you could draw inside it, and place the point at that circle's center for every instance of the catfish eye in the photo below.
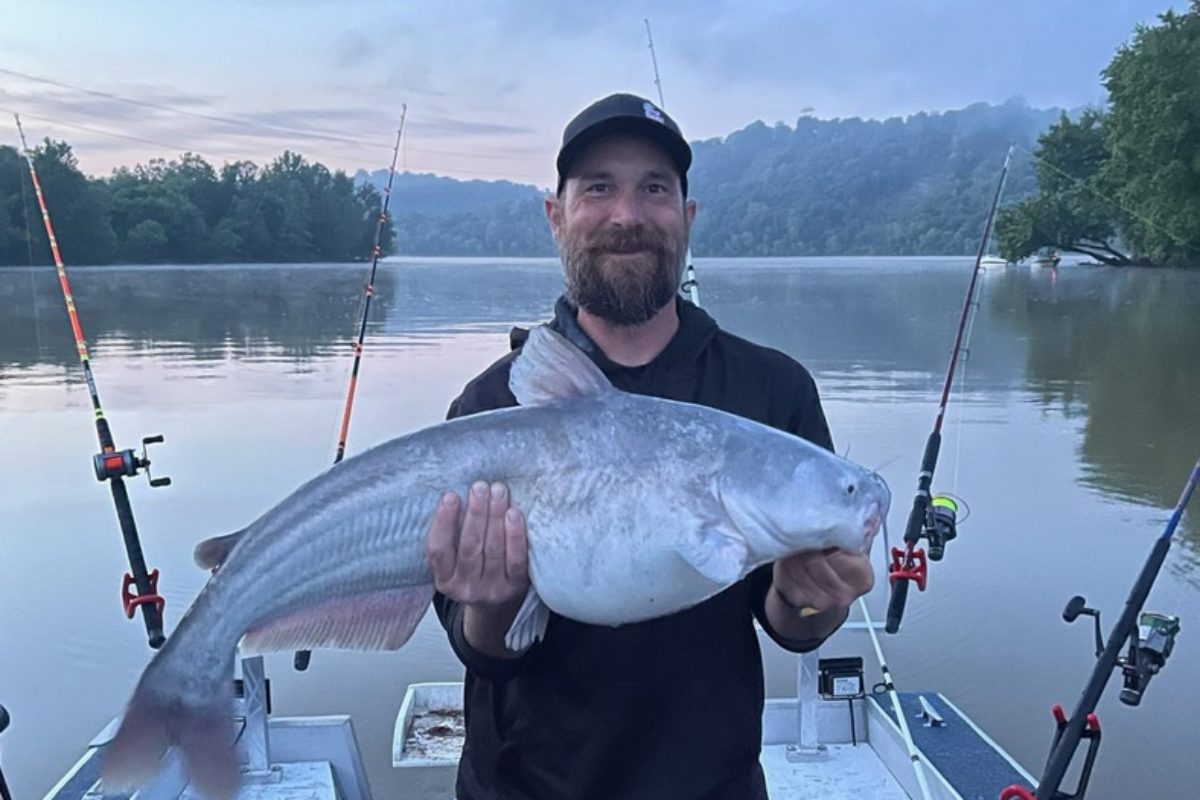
(850, 490)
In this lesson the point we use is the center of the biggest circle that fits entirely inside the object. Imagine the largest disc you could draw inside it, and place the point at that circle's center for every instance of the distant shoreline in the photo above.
(509, 259)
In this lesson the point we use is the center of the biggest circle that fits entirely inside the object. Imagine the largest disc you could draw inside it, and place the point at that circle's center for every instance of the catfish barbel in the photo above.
(636, 508)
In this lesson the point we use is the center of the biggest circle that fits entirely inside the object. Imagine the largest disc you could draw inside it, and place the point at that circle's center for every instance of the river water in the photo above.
(1069, 436)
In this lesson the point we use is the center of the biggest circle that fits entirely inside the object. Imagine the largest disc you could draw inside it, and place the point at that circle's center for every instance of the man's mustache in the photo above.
(626, 242)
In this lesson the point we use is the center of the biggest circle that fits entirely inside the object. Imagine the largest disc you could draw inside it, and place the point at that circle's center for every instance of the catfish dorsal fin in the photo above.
(550, 368)
(211, 553)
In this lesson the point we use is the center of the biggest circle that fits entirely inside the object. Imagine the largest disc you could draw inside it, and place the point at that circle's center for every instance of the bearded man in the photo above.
(670, 708)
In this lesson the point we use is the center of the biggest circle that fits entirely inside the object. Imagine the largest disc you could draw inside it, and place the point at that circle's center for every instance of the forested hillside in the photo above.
(919, 185)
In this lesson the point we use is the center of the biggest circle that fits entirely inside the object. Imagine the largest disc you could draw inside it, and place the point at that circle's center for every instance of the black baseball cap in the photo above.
(623, 113)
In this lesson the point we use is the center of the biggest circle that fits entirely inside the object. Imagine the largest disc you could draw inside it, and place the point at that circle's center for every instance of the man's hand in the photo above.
(811, 593)
(823, 580)
(481, 559)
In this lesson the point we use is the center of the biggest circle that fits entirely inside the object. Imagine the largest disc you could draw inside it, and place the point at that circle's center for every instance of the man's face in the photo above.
(622, 226)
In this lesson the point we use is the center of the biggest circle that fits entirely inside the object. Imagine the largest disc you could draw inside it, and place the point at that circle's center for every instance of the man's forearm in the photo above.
(800, 626)
(484, 629)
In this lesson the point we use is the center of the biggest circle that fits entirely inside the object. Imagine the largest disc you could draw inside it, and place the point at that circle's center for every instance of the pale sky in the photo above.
(489, 85)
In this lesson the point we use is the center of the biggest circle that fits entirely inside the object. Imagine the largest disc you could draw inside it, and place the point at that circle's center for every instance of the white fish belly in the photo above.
(612, 557)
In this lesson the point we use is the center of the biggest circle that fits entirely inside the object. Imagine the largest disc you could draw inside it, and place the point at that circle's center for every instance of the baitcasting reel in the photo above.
(126, 463)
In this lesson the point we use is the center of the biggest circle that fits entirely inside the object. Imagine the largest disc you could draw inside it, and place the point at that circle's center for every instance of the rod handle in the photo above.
(920, 508)
(895, 609)
(151, 612)
(4, 720)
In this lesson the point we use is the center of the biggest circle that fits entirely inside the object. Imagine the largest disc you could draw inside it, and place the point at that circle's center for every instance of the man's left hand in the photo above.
(823, 580)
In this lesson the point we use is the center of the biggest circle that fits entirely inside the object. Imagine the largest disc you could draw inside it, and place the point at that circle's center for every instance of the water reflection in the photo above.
(1113, 348)
(1117, 349)
(1077, 377)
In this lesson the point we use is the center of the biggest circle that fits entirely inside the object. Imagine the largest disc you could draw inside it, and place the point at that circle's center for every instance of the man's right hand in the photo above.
(481, 559)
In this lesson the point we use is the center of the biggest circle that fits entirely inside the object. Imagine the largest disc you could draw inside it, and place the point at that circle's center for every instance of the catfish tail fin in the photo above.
(174, 706)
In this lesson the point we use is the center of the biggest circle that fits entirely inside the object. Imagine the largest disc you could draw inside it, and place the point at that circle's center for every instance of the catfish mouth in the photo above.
(874, 521)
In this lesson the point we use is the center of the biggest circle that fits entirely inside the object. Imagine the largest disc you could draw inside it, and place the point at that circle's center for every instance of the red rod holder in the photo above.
(131, 601)
(1015, 792)
(914, 568)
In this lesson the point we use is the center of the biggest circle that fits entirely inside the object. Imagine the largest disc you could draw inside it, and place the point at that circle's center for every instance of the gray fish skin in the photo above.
(636, 508)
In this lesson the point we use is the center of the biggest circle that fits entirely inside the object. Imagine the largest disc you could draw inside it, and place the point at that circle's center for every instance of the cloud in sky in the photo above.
(489, 86)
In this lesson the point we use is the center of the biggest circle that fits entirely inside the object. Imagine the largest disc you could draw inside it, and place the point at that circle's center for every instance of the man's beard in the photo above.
(622, 290)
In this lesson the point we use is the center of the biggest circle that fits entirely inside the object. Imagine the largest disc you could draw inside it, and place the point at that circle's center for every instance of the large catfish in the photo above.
(636, 508)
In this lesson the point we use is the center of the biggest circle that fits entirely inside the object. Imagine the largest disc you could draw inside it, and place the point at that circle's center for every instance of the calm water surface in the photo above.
(1069, 437)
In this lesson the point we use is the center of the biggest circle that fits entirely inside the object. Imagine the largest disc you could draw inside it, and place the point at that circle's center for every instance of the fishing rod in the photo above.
(110, 464)
(936, 518)
(4, 720)
(1151, 638)
(690, 284)
(302, 657)
(914, 755)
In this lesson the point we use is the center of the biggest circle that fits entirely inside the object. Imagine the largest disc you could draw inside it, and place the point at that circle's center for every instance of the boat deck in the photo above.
(317, 758)
(845, 772)
(963, 754)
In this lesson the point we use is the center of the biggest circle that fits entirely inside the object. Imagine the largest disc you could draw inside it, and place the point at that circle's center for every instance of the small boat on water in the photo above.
(1047, 259)
(836, 734)
(992, 262)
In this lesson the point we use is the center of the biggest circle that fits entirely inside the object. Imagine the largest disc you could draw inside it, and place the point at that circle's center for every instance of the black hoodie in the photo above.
(658, 710)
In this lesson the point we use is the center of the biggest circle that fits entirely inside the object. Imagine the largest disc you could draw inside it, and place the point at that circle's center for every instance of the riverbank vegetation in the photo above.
(186, 211)
(1122, 184)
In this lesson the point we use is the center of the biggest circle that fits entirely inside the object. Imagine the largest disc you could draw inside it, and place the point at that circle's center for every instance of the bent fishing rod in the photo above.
(690, 284)
(935, 518)
(302, 657)
(110, 464)
(1151, 638)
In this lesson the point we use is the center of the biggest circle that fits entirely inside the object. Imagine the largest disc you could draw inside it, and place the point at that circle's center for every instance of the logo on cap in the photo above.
(652, 112)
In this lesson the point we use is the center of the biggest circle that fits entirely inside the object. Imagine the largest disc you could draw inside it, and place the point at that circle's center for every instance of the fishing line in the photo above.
(960, 409)
(1150, 638)
(302, 657)
(935, 518)
(245, 123)
(690, 284)
(110, 464)
(127, 137)
(37, 317)
(210, 154)
(1084, 184)
(249, 123)
(230, 120)
(914, 755)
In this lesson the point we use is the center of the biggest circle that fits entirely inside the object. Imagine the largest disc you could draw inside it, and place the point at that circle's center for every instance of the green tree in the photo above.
(1153, 134)
(78, 208)
(186, 211)
(1070, 211)
(147, 242)
(16, 214)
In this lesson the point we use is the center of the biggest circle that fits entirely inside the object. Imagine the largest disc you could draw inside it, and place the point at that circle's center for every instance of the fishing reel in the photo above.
(939, 526)
(942, 524)
(1148, 654)
(1148, 649)
(126, 463)
(934, 519)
